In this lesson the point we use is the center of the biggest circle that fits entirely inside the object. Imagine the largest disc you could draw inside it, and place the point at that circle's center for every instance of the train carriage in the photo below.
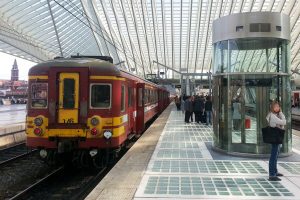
(86, 106)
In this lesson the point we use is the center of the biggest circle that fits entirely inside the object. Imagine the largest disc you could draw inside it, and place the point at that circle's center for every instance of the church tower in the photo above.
(15, 72)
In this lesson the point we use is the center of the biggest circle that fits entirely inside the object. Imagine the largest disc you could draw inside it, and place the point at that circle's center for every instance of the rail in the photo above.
(13, 153)
(55, 176)
(25, 192)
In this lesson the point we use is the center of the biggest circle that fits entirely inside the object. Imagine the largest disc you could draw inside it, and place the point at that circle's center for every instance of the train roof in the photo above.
(95, 65)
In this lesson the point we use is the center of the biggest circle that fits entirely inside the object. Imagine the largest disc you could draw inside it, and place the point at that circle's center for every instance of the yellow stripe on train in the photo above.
(38, 77)
(107, 78)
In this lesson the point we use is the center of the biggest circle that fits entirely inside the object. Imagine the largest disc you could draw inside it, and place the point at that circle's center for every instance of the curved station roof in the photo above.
(140, 34)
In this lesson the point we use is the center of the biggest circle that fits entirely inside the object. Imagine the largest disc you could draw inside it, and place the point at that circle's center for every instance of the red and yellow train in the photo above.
(87, 107)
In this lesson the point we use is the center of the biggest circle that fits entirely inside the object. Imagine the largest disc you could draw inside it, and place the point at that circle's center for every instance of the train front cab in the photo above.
(62, 114)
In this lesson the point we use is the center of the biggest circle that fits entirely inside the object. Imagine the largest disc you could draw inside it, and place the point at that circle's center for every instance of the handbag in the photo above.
(272, 135)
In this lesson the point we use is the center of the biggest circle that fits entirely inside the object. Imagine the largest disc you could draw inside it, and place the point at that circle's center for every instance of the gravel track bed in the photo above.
(16, 176)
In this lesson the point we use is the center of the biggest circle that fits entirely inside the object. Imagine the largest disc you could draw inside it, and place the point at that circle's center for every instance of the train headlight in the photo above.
(93, 152)
(107, 134)
(43, 153)
(38, 121)
(38, 131)
(94, 121)
(94, 131)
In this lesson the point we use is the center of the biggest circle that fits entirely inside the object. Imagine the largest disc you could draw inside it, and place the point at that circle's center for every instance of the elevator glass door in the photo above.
(241, 109)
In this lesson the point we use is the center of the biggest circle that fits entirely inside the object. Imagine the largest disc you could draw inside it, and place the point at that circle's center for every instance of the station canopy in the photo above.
(139, 34)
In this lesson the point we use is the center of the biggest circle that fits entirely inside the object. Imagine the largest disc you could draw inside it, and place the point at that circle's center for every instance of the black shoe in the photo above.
(274, 178)
(279, 174)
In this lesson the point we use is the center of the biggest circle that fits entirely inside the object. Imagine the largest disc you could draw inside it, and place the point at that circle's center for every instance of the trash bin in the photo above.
(247, 123)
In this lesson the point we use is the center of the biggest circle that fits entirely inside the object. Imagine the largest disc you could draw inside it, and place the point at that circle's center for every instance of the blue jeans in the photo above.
(208, 117)
(273, 160)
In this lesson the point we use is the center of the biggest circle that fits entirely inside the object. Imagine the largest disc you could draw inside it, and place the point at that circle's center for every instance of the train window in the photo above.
(122, 98)
(39, 95)
(129, 97)
(100, 95)
(69, 93)
(140, 97)
(146, 96)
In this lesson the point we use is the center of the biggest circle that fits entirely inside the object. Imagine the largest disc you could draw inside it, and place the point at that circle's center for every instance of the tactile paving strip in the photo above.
(179, 153)
(180, 145)
(293, 168)
(206, 166)
(178, 186)
(187, 138)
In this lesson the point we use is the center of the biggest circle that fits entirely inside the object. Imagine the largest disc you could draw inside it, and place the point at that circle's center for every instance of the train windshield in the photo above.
(39, 95)
(101, 96)
(69, 93)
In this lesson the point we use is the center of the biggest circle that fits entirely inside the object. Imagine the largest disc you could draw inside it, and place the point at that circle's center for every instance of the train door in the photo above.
(130, 109)
(140, 124)
(68, 95)
(160, 105)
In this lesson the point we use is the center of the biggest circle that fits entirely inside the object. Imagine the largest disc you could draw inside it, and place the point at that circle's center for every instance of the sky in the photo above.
(6, 62)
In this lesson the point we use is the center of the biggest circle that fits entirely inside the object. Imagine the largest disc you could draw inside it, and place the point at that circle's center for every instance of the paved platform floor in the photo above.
(12, 114)
(183, 166)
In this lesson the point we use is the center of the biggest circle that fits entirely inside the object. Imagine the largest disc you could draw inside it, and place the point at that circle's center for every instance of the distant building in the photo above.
(14, 72)
(13, 87)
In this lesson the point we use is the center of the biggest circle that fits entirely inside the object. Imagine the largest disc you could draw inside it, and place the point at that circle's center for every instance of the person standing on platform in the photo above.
(202, 109)
(177, 102)
(275, 118)
(197, 109)
(208, 110)
(188, 107)
(192, 110)
(182, 104)
(236, 116)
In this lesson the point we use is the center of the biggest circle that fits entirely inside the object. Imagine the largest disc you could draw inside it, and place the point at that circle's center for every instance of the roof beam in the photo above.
(129, 37)
(198, 35)
(110, 29)
(90, 26)
(138, 38)
(271, 4)
(289, 7)
(100, 27)
(206, 35)
(145, 33)
(152, 10)
(180, 34)
(172, 35)
(189, 33)
(163, 27)
(118, 27)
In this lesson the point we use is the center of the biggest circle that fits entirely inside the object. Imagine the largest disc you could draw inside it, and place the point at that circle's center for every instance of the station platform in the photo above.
(175, 160)
(12, 124)
(12, 114)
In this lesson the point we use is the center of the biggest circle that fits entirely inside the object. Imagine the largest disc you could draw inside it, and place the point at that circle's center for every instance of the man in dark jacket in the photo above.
(202, 107)
(197, 109)
(188, 106)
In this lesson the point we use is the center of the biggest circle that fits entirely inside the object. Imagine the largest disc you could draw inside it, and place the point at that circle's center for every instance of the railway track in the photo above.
(63, 183)
(10, 154)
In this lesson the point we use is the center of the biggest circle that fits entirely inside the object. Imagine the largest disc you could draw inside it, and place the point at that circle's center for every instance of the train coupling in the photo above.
(93, 152)
(65, 146)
